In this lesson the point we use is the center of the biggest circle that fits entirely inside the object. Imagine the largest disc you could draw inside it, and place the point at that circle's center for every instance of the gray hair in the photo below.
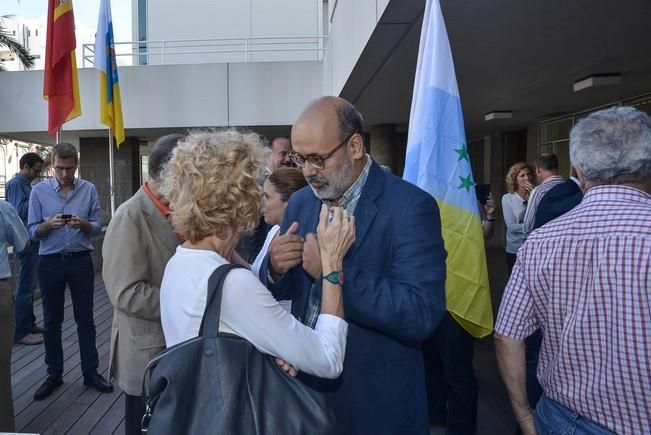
(350, 120)
(613, 146)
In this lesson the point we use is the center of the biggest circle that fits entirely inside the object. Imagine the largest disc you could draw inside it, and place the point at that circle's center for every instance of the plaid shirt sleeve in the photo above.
(516, 318)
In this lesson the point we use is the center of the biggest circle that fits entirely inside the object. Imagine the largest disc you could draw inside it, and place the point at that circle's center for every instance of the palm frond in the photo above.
(17, 48)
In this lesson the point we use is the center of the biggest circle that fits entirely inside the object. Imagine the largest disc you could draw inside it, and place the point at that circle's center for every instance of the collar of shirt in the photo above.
(552, 179)
(165, 210)
(350, 198)
(57, 186)
(610, 192)
(23, 179)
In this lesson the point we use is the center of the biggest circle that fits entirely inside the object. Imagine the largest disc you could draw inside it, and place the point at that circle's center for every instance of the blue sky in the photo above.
(86, 13)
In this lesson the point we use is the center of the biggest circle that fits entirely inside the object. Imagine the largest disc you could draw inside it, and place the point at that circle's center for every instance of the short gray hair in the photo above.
(349, 118)
(613, 146)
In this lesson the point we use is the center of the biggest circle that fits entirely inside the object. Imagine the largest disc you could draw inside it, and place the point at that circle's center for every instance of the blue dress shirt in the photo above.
(46, 201)
(17, 192)
(12, 232)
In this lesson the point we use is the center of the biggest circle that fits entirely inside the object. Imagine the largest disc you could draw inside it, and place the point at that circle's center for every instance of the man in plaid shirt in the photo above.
(585, 280)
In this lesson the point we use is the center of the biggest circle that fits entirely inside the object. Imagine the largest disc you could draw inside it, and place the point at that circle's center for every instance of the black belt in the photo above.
(68, 254)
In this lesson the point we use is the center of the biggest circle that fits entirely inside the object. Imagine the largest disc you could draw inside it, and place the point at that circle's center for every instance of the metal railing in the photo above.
(213, 50)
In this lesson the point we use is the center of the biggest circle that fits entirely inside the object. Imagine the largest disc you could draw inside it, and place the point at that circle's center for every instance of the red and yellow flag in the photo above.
(61, 85)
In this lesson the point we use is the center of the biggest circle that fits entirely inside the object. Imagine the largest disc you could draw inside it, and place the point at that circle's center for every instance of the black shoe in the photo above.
(98, 382)
(47, 388)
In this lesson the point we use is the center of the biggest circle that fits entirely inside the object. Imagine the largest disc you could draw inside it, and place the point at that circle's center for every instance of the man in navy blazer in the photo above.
(394, 273)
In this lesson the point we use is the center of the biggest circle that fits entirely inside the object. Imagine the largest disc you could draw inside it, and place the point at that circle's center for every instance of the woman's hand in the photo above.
(336, 235)
(528, 186)
(286, 367)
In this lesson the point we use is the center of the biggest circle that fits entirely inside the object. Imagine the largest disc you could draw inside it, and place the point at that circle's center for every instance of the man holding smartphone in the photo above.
(64, 213)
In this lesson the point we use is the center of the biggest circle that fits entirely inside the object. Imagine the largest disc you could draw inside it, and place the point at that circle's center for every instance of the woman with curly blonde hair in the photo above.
(519, 182)
(213, 185)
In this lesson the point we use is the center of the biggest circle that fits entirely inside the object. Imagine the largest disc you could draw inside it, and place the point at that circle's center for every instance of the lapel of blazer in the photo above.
(160, 227)
(313, 213)
(366, 207)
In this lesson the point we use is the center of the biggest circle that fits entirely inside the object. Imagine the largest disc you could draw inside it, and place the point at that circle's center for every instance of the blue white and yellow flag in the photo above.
(110, 104)
(437, 161)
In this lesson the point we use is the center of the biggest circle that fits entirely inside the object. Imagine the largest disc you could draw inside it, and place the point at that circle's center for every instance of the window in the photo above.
(642, 103)
(554, 137)
(144, 169)
(142, 32)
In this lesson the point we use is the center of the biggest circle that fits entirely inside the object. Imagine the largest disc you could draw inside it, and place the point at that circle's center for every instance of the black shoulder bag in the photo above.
(221, 384)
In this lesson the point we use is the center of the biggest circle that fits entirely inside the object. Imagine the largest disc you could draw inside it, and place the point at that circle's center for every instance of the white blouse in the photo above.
(249, 311)
(255, 267)
(514, 208)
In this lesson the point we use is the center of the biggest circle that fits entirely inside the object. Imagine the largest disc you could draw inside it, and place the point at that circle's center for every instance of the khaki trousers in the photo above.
(6, 342)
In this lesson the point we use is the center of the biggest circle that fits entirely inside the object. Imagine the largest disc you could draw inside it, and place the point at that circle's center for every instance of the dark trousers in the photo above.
(532, 353)
(450, 377)
(134, 409)
(510, 262)
(76, 270)
(25, 319)
(6, 341)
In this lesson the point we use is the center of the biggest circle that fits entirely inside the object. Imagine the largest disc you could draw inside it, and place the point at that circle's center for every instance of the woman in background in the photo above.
(277, 189)
(519, 183)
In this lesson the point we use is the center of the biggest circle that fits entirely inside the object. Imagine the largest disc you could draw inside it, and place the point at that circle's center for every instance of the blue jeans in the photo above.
(25, 319)
(552, 418)
(55, 271)
(450, 377)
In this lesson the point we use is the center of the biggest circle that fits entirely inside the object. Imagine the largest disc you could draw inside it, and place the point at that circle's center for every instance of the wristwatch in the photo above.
(336, 277)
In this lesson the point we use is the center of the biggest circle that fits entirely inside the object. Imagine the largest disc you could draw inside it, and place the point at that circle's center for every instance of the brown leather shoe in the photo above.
(37, 329)
(30, 340)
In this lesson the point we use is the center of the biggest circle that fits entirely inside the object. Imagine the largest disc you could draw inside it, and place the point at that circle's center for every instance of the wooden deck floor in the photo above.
(75, 409)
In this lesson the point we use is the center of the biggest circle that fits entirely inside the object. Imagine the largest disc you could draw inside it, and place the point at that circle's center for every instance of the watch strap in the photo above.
(336, 277)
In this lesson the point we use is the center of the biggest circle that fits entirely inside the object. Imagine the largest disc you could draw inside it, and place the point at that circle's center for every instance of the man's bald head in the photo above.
(330, 129)
(332, 113)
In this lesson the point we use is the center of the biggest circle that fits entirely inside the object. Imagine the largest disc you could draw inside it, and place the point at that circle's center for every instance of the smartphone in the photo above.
(66, 216)
(482, 191)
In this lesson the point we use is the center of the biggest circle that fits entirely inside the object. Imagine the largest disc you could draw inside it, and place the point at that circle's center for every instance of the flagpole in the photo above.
(111, 178)
(57, 138)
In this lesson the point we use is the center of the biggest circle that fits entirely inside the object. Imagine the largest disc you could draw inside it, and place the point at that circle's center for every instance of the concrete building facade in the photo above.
(251, 68)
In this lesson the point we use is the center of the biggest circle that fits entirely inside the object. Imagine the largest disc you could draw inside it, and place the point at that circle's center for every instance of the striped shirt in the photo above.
(585, 279)
(534, 201)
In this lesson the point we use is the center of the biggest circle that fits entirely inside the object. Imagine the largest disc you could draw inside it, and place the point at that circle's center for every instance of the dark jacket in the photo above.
(394, 297)
(559, 200)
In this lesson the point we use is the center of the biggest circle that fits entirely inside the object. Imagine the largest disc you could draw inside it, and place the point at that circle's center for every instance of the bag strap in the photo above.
(210, 322)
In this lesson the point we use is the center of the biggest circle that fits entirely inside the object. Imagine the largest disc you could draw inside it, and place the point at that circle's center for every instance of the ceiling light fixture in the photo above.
(498, 114)
(597, 80)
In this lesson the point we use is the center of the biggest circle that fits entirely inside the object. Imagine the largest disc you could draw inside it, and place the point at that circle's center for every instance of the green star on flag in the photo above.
(463, 153)
(466, 183)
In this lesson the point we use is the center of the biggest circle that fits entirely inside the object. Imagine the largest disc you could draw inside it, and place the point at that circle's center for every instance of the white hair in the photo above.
(613, 146)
